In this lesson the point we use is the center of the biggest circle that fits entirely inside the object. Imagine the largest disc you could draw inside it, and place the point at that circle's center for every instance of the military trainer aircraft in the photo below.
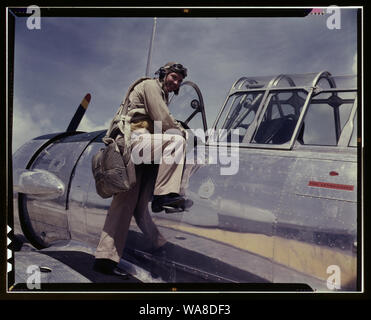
(275, 203)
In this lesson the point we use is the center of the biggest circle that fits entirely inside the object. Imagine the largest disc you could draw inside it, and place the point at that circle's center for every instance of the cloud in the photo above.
(88, 125)
(35, 121)
(25, 126)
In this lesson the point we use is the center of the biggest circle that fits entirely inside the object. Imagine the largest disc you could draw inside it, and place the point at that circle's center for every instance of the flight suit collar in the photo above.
(165, 95)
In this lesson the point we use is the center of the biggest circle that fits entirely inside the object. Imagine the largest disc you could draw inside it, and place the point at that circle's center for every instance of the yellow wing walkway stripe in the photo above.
(301, 256)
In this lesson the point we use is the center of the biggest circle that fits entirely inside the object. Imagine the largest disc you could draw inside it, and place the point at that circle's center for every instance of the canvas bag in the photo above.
(112, 167)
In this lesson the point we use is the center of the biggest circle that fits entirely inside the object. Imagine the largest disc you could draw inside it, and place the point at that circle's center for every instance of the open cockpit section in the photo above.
(279, 111)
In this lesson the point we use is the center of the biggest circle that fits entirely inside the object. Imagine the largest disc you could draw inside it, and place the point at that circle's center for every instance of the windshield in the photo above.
(242, 109)
(188, 107)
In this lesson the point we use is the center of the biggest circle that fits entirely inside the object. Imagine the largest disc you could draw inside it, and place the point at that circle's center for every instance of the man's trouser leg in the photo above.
(167, 150)
(141, 213)
(116, 226)
(170, 171)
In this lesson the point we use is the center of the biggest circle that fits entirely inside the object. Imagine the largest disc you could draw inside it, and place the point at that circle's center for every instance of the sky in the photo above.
(56, 65)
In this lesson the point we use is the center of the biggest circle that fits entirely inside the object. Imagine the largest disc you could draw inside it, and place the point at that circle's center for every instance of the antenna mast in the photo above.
(150, 46)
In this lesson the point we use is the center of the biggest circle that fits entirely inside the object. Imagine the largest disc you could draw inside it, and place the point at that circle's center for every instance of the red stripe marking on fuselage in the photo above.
(330, 185)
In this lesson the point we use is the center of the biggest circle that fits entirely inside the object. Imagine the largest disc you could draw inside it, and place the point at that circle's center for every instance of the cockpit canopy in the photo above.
(312, 109)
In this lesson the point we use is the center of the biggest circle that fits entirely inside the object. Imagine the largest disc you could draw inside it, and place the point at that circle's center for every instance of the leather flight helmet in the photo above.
(171, 67)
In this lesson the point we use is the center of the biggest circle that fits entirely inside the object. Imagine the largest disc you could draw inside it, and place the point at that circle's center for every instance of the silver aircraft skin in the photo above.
(288, 214)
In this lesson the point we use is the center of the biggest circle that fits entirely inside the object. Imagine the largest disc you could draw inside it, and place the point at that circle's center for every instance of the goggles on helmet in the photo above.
(178, 68)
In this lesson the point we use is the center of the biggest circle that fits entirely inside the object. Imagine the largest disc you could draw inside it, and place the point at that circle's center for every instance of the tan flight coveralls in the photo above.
(150, 96)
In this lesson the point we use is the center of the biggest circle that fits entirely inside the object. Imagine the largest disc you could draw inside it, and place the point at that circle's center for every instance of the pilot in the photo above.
(162, 183)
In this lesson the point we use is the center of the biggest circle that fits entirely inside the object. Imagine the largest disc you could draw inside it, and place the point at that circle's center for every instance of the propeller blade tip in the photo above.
(86, 101)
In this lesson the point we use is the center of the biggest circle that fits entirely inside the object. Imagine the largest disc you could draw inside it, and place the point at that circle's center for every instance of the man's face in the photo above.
(172, 81)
